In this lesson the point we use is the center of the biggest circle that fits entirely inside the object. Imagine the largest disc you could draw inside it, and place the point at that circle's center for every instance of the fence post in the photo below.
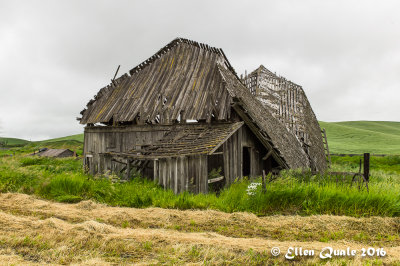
(366, 166)
(366, 169)
(264, 185)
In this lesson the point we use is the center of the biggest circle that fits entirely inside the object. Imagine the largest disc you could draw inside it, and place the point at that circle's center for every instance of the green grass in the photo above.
(357, 137)
(63, 180)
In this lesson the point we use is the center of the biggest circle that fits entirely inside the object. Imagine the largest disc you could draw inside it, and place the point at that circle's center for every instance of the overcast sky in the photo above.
(56, 55)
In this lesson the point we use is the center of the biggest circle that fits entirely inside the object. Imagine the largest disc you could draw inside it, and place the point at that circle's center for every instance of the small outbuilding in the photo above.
(55, 153)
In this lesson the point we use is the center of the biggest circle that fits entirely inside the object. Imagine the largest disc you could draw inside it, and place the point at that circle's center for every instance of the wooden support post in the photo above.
(156, 177)
(325, 140)
(264, 185)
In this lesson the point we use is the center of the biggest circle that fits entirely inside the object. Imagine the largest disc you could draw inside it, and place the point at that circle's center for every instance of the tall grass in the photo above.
(63, 180)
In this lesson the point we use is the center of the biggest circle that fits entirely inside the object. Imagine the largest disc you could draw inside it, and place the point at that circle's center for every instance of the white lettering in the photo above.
(326, 253)
(293, 252)
(288, 254)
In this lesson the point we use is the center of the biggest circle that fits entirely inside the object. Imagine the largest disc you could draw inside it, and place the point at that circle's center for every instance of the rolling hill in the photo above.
(377, 137)
(14, 141)
(73, 142)
(77, 137)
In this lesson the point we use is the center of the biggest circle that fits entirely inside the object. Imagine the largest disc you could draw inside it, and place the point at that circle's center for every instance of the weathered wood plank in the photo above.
(217, 179)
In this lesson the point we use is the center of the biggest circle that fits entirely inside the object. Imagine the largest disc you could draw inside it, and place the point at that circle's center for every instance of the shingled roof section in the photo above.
(181, 74)
(189, 139)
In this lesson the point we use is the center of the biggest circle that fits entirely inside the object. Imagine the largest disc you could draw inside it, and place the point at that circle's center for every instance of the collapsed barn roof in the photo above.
(288, 103)
(186, 139)
(187, 80)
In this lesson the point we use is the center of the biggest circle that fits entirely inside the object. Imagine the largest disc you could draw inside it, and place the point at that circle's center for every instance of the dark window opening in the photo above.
(246, 161)
(270, 165)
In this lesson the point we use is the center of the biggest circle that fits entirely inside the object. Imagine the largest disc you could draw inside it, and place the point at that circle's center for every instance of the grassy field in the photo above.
(363, 136)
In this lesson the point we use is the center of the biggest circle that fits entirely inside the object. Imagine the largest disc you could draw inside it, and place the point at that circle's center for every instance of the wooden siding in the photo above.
(233, 156)
(184, 173)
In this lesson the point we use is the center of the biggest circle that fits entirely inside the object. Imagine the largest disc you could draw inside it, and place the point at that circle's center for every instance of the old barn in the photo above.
(184, 112)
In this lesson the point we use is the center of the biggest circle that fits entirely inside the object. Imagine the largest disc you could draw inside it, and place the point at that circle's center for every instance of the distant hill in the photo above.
(73, 142)
(377, 137)
(77, 137)
(14, 141)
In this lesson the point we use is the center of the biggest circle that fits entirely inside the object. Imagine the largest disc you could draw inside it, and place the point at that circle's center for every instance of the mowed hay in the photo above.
(38, 231)
(375, 230)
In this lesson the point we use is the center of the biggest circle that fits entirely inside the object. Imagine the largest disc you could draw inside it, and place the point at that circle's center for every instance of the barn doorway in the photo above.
(246, 161)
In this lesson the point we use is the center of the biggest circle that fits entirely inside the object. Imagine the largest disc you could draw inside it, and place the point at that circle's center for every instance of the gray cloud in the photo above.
(55, 55)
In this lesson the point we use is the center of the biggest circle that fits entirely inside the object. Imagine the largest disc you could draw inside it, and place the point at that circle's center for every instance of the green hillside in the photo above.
(73, 142)
(77, 137)
(13, 145)
(21, 142)
(13, 141)
(376, 137)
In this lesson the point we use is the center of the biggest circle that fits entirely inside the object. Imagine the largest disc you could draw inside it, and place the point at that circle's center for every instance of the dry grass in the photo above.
(34, 231)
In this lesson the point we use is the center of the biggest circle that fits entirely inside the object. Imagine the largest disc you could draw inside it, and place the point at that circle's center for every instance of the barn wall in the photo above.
(117, 139)
(184, 173)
